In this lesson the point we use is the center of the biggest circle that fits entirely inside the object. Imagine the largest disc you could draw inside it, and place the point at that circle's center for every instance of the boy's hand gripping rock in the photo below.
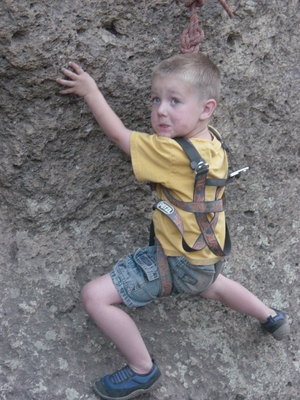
(80, 83)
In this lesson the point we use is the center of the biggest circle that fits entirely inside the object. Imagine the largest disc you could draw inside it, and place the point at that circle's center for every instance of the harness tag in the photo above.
(238, 172)
(165, 207)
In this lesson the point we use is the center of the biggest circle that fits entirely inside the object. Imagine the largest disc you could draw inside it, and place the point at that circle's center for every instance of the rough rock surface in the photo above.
(70, 206)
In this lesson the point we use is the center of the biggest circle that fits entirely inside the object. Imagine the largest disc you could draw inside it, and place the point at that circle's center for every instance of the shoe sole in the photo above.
(131, 395)
(281, 332)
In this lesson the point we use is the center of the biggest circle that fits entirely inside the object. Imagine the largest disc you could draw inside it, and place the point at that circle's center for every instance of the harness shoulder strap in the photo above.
(215, 133)
(190, 150)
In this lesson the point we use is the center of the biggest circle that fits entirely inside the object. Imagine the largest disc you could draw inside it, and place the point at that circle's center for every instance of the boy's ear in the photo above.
(208, 108)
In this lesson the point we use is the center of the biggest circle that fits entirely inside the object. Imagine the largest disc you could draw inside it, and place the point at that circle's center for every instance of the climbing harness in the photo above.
(193, 35)
(201, 208)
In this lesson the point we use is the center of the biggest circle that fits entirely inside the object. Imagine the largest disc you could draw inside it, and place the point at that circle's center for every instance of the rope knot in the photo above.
(192, 36)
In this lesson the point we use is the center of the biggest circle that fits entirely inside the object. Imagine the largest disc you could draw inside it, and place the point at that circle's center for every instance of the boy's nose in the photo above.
(162, 109)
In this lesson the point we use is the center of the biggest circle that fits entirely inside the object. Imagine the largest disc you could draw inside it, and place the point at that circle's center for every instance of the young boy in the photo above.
(184, 91)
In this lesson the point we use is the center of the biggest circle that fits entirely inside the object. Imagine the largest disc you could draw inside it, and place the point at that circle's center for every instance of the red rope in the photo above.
(198, 3)
(226, 8)
(193, 35)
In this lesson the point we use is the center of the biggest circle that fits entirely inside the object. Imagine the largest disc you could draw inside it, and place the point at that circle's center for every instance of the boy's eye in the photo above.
(155, 100)
(175, 101)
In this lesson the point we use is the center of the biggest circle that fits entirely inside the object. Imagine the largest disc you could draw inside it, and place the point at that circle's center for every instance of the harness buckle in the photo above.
(200, 168)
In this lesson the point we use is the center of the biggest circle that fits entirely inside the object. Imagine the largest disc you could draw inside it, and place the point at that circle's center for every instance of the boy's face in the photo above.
(176, 108)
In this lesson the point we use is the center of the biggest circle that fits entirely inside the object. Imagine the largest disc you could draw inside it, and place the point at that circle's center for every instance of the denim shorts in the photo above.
(137, 280)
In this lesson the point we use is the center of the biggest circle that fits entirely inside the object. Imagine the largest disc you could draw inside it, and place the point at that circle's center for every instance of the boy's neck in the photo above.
(204, 134)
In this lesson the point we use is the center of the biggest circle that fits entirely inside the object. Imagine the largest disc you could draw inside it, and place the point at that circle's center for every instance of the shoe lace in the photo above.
(122, 375)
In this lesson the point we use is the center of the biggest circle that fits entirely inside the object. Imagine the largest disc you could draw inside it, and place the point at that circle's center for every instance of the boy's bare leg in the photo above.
(237, 297)
(98, 297)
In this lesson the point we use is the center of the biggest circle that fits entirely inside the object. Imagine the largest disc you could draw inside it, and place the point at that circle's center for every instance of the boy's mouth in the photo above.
(163, 126)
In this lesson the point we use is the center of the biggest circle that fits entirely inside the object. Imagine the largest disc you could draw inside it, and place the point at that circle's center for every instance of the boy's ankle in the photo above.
(272, 313)
(142, 370)
(278, 325)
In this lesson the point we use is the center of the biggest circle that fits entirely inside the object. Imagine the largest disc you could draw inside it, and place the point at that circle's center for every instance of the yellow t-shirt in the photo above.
(161, 160)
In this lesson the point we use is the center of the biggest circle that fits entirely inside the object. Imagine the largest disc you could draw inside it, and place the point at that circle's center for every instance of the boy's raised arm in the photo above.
(82, 84)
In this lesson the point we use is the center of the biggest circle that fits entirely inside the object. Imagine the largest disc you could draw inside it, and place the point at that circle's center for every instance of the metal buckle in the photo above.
(200, 168)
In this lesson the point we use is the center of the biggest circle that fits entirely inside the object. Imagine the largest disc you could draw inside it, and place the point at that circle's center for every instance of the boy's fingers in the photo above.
(66, 91)
(69, 73)
(64, 82)
(76, 68)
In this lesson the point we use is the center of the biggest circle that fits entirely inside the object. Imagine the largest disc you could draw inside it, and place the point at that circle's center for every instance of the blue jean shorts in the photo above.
(137, 280)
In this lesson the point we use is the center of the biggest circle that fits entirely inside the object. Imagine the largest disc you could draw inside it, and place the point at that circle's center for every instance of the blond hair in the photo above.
(194, 68)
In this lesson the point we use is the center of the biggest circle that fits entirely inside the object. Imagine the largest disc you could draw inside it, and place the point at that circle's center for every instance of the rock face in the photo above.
(70, 206)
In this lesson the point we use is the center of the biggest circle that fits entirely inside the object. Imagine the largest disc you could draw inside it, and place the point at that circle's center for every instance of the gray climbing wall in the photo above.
(70, 206)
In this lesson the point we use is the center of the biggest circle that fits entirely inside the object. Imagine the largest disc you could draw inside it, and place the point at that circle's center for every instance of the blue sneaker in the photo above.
(127, 384)
(278, 325)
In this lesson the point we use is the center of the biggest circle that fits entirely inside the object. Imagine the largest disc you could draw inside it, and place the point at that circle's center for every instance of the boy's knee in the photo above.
(88, 295)
(99, 292)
